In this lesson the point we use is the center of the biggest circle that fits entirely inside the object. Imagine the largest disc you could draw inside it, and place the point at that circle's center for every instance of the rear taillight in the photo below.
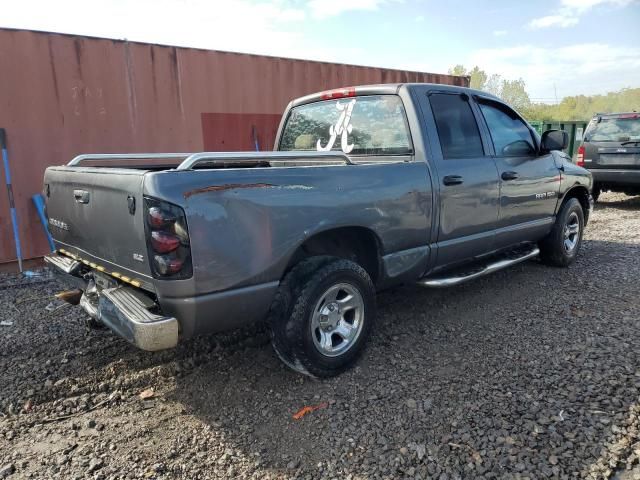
(580, 156)
(167, 240)
(159, 218)
(165, 265)
(163, 242)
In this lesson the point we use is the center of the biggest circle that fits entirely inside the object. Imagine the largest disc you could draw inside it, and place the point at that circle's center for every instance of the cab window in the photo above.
(364, 125)
(457, 128)
(510, 135)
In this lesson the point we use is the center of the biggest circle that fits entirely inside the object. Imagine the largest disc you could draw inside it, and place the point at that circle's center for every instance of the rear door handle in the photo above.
(509, 175)
(452, 180)
(81, 196)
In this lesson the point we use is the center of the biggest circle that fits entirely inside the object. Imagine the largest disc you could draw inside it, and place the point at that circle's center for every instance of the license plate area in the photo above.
(619, 159)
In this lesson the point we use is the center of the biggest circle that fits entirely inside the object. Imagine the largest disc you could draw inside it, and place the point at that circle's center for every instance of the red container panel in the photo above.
(62, 95)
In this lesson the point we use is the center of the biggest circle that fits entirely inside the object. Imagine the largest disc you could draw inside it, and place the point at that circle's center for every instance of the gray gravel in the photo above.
(533, 372)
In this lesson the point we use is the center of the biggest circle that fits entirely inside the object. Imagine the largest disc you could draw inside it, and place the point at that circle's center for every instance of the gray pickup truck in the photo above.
(367, 187)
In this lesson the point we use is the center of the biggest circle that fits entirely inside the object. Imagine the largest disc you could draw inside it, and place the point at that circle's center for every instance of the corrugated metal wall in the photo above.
(62, 95)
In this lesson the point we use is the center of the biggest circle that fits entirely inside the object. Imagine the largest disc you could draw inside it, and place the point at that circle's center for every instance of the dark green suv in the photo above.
(611, 151)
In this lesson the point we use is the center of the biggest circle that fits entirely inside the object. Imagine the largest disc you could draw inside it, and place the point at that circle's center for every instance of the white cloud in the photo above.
(584, 5)
(500, 33)
(553, 21)
(570, 11)
(273, 27)
(235, 25)
(585, 68)
(330, 8)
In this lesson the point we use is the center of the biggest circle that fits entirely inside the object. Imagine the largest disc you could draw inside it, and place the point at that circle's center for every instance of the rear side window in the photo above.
(511, 137)
(616, 129)
(457, 127)
(364, 125)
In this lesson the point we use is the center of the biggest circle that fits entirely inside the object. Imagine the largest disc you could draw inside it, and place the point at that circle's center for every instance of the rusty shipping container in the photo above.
(62, 95)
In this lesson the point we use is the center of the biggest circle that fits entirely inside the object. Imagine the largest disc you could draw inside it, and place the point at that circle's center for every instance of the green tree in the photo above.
(583, 107)
(493, 85)
(578, 107)
(458, 70)
(514, 93)
(477, 77)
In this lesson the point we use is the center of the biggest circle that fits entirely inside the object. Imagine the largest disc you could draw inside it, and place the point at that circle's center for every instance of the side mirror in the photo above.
(554, 140)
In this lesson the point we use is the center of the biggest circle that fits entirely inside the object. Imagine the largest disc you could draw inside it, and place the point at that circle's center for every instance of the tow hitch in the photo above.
(70, 296)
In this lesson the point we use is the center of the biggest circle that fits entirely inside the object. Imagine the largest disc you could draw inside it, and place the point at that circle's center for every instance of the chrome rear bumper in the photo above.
(125, 310)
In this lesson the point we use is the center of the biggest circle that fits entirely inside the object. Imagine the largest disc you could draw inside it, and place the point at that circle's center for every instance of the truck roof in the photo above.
(381, 89)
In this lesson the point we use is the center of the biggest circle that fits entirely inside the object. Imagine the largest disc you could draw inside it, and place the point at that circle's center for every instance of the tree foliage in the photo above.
(583, 107)
(578, 107)
(511, 91)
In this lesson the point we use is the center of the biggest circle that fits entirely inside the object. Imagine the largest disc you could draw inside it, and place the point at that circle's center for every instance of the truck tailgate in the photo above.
(97, 213)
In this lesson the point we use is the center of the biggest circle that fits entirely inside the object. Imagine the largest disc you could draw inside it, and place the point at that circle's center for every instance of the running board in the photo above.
(487, 269)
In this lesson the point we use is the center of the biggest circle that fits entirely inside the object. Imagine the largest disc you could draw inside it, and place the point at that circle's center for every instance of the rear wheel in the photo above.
(323, 315)
(596, 193)
(560, 247)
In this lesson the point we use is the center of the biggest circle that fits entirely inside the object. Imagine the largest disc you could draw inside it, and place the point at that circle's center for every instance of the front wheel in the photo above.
(560, 247)
(323, 315)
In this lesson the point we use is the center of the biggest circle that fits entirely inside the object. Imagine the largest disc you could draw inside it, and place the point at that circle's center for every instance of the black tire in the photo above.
(553, 249)
(294, 312)
(596, 193)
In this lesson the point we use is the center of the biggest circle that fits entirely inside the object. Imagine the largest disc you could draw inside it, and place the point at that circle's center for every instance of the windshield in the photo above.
(617, 129)
(365, 125)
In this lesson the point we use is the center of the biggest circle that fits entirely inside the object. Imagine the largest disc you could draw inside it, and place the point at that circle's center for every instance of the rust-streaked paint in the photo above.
(87, 95)
(229, 186)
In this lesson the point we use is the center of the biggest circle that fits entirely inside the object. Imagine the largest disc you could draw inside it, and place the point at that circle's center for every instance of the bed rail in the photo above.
(191, 160)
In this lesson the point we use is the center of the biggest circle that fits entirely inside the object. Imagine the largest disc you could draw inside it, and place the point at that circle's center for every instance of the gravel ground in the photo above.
(532, 372)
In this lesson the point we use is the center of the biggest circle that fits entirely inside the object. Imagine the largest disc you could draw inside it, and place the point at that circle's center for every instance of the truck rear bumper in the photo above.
(220, 311)
(123, 309)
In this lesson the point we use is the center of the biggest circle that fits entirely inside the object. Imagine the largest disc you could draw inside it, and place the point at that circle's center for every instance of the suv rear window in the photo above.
(364, 125)
(614, 129)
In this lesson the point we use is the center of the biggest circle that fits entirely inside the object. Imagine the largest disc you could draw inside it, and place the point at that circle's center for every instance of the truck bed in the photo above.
(95, 203)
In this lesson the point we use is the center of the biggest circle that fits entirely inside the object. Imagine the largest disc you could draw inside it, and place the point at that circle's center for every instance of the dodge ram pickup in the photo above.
(367, 187)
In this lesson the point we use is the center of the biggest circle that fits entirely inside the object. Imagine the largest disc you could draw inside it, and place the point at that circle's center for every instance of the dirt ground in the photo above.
(533, 372)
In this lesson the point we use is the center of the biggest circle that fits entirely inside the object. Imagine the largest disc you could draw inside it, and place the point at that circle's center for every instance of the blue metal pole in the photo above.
(39, 203)
(12, 206)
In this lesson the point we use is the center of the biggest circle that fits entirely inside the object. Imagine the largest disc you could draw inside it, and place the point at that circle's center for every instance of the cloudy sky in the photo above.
(559, 47)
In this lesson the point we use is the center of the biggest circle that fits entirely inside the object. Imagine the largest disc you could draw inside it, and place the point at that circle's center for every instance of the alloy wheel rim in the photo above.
(337, 319)
(571, 233)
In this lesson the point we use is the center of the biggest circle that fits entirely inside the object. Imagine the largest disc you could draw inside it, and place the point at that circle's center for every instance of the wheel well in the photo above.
(358, 244)
(582, 194)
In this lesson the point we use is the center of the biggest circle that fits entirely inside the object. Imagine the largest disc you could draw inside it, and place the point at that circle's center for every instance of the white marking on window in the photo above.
(342, 127)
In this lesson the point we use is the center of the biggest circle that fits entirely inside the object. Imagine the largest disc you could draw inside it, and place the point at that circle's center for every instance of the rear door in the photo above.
(529, 183)
(467, 179)
(96, 213)
(613, 142)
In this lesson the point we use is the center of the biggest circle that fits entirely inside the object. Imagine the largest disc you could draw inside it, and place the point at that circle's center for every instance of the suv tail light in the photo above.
(168, 242)
(580, 156)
